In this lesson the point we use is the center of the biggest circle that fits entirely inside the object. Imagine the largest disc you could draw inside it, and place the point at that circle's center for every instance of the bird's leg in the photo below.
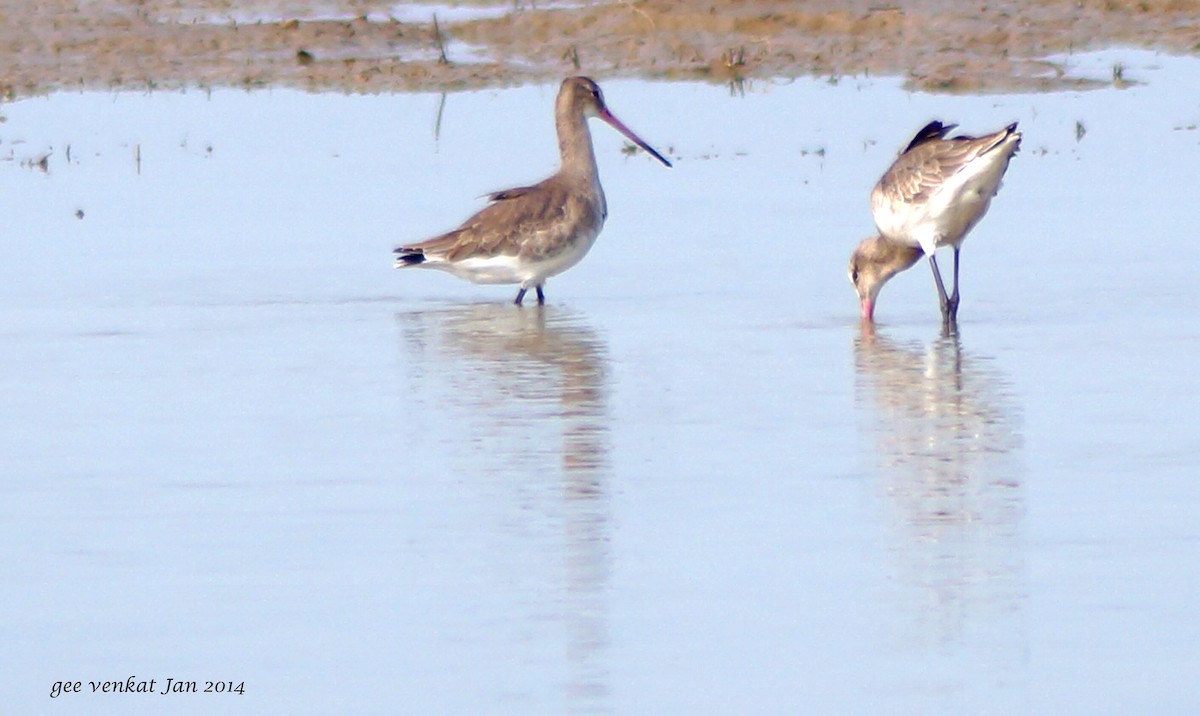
(541, 296)
(953, 301)
(520, 296)
(937, 278)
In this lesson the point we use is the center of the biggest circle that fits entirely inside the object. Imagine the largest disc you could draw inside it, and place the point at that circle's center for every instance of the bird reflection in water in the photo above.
(947, 442)
(528, 392)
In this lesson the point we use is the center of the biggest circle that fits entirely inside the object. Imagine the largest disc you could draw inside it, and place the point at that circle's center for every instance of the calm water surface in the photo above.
(238, 446)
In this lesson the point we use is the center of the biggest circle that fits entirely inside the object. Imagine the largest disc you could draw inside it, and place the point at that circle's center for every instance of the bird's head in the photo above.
(874, 261)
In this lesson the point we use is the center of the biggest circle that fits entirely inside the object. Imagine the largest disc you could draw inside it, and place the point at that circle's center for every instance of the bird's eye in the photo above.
(854, 277)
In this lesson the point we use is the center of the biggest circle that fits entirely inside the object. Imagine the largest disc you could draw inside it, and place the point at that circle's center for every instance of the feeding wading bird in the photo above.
(528, 234)
(931, 196)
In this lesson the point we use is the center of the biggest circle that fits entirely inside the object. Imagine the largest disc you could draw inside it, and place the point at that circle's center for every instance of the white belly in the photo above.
(527, 271)
(944, 219)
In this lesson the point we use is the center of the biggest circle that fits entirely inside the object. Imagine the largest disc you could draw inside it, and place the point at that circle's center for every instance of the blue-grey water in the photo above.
(238, 446)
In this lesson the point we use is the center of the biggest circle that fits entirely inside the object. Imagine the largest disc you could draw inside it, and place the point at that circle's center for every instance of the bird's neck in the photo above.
(899, 257)
(575, 147)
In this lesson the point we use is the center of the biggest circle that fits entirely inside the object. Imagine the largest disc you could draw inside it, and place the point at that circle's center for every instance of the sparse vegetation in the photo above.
(168, 44)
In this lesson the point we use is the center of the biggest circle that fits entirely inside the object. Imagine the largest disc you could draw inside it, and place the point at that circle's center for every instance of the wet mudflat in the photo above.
(239, 446)
(389, 46)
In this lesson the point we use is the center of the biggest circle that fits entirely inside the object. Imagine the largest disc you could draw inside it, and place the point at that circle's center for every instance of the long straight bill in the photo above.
(620, 127)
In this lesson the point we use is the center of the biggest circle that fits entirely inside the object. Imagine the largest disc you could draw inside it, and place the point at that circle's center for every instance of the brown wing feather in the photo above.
(528, 221)
(918, 172)
(505, 194)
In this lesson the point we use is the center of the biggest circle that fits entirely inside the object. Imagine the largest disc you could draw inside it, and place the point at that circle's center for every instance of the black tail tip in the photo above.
(408, 258)
(933, 131)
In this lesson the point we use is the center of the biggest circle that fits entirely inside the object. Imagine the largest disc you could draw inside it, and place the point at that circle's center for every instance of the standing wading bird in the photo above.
(528, 234)
(936, 190)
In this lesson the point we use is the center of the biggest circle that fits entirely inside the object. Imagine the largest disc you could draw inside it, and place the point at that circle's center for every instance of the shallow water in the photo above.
(239, 446)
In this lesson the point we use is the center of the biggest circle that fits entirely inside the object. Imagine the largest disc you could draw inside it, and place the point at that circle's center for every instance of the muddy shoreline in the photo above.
(367, 46)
